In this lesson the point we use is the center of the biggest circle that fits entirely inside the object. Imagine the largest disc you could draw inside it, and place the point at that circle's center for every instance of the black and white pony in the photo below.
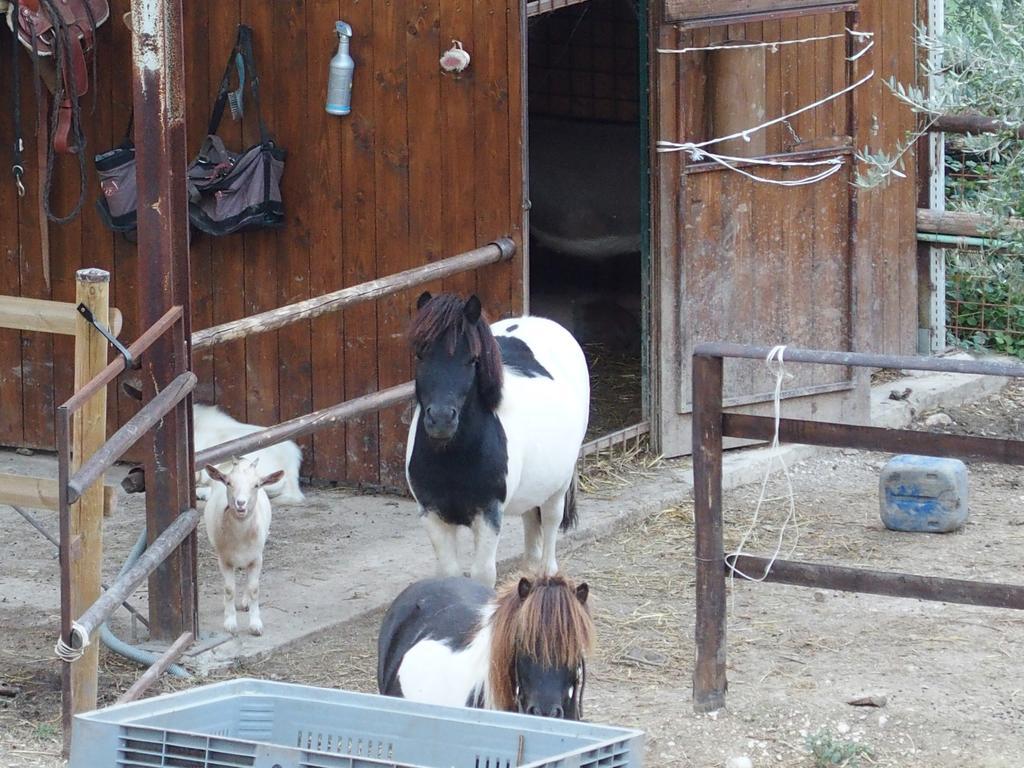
(500, 417)
(454, 642)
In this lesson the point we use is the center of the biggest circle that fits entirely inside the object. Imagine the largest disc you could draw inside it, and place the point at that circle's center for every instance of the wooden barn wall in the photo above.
(427, 165)
(795, 255)
(885, 225)
(800, 299)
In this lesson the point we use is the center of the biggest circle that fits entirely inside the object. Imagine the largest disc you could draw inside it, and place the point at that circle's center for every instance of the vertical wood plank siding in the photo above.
(767, 264)
(426, 165)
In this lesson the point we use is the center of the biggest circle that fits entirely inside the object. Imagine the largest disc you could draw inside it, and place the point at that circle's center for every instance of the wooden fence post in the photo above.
(89, 430)
(709, 681)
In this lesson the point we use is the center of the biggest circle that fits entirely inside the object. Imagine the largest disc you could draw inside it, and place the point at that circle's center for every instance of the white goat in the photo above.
(237, 516)
(212, 426)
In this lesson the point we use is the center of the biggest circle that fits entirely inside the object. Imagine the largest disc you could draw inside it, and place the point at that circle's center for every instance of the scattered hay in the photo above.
(615, 469)
(615, 388)
(645, 643)
(885, 375)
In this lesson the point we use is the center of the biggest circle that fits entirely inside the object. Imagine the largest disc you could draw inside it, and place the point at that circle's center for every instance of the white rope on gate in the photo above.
(697, 150)
(66, 652)
(775, 356)
(775, 45)
(833, 165)
(671, 146)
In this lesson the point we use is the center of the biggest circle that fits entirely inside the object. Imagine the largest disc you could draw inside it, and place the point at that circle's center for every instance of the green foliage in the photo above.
(979, 66)
(829, 750)
(975, 67)
(985, 302)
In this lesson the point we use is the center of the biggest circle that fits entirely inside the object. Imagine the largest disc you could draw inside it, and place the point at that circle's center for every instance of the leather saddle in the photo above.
(63, 32)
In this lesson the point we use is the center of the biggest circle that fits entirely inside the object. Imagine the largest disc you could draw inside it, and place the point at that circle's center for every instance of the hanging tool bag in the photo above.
(227, 191)
(120, 198)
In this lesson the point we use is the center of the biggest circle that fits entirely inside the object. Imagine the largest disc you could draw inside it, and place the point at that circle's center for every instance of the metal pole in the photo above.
(63, 424)
(890, 583)
(304, 425)
(160, 666)
(151, 414)
(865, 360)
(34, 522)
(89, 621)
(501, 250)
(709, 681)
(163, 282)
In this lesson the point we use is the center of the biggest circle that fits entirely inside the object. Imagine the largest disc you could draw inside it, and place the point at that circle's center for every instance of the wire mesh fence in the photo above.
(985, 300)
(984, 287)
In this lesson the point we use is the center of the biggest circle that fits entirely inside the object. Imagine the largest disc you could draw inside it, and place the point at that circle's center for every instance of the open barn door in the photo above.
(588, 251)
(766, 260)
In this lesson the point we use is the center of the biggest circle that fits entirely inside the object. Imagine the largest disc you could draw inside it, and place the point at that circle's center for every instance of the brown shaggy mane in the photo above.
(443, 319)
(551, 625)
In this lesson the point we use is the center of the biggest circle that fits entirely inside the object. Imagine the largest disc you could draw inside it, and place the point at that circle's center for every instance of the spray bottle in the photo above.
(339, 85)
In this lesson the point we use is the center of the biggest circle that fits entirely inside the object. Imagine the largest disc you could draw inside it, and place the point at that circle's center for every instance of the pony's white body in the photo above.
(433, 672)
(544, 411)
(544, 419)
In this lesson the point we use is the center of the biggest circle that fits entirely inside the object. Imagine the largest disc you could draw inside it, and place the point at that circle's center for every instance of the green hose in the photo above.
(119, 646)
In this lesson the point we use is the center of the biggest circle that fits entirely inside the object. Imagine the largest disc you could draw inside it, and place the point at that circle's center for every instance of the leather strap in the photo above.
(17, 163)
(76, 83)
(42, 151)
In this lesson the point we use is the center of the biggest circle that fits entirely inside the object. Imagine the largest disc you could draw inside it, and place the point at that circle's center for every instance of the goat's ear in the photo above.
(524, 588)
(423, 299)
(215, 473)
(272, 478)
(582, 592)
(472, 309)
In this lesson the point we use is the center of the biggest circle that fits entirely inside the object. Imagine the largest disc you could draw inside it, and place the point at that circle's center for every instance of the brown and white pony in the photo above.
(454, 642)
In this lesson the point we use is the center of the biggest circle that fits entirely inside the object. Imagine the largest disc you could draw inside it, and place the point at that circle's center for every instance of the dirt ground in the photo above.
(949, 676)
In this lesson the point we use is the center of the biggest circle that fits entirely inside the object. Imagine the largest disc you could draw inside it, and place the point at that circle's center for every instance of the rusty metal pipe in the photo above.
(887, 583)
(154, 556)
(862, 359)
(874, 438)
(304, 425)
(500, 250)
(129, 434)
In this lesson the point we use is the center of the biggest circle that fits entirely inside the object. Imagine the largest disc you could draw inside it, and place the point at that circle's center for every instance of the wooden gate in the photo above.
(773, 262)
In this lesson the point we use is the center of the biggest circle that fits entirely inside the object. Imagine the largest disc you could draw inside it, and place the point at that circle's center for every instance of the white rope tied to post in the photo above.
(774, 46)
(69, 653)
(775, 356)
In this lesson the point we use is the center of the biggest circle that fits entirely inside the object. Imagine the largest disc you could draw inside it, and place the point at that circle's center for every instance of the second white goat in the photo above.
(212, 426)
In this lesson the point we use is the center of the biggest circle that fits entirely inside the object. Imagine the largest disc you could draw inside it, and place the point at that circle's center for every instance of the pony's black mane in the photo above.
(443, 320)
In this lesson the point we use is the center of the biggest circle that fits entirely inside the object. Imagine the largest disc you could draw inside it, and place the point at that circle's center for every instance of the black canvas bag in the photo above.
(120, 198)
(229, 192)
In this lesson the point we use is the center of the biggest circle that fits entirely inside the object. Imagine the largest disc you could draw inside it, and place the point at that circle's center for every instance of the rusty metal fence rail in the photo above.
(711, 425)
(77, 631)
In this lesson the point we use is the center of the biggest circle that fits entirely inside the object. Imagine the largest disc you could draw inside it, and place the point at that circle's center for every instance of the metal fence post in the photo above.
(159, 98)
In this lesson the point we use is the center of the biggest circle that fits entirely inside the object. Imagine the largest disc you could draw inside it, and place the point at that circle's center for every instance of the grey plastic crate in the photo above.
(260, 724)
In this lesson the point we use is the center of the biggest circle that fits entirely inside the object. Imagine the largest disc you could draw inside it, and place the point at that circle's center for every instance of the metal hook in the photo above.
(19, 171)
(129, 361)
